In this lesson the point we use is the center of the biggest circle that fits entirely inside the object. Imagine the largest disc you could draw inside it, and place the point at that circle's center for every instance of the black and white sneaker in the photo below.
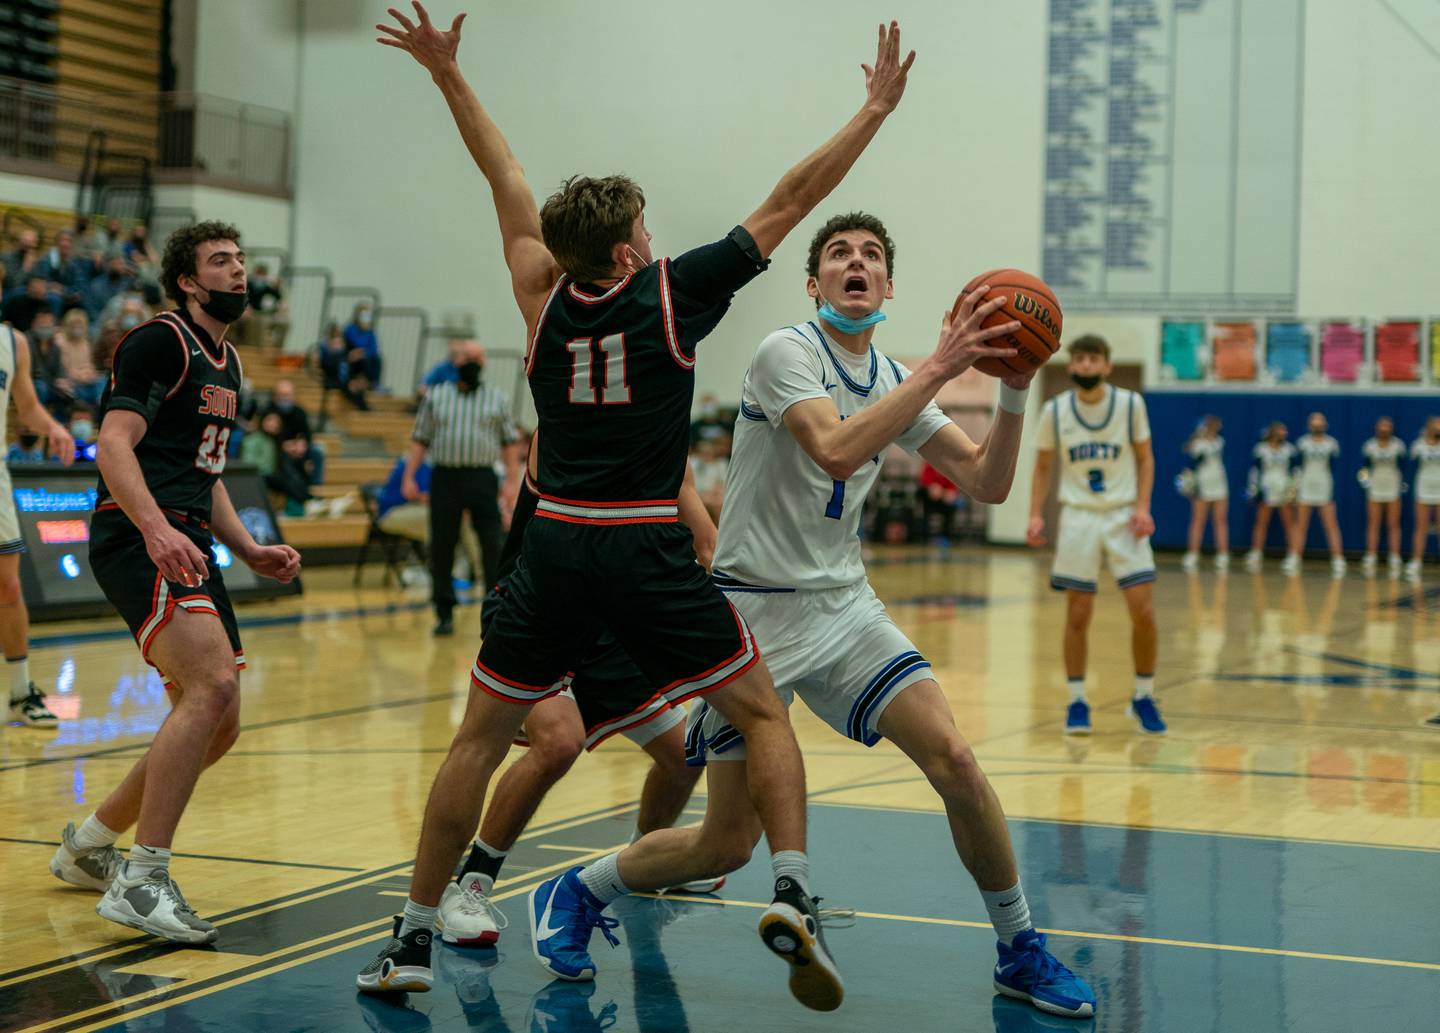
(32, 710)
(153, 903)
(790, 927)
(403, 965)
(92, 868)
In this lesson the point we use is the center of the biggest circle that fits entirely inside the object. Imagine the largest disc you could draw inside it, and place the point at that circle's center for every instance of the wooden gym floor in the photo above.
(1273, 863)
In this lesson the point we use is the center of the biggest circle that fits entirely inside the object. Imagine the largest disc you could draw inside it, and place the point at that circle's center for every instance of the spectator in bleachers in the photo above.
(410, 518)
(267, 318)
(26, 447)
(938, 498)
(19, 310)
(116, 278)
(297, 442)
(82, 424)
(127, 310)
(710, 420)
(335, 369)
(710, 464)
(67, 271)
(138, 250)
(114, 236)
(78, 376)
(362, 347)
(265, 448)
(22, 258)
(46, 369)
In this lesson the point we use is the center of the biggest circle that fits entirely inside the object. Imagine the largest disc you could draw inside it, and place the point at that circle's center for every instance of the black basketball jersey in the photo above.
(611, 372)
(169, 371)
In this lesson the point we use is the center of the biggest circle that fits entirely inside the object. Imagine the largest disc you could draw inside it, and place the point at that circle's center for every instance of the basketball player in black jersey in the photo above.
(612, 336)
(166, 419)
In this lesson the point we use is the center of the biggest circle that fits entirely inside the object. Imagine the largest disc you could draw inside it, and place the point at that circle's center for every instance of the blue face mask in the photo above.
(845, 324)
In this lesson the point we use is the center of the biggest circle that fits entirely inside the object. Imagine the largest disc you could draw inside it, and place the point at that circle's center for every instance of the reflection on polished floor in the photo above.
(1271, 864)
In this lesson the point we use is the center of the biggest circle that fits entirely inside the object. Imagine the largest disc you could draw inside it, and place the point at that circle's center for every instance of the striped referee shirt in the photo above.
(464, 428)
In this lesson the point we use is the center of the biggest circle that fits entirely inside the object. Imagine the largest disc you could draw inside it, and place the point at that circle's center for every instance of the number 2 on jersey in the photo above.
(615, 389)
(1097, 479)
(213, 444)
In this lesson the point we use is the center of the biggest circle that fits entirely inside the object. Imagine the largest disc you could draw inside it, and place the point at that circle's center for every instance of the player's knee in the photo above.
(557, 751)
(955, 773)
(215, 694)
(723, 855)
(1077, 614)
(9, 590)
(674, 768)
(225, 736)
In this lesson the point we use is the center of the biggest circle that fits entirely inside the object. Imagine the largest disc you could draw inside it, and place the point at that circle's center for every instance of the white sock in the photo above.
(1009, 912)
(1144, 686)
(1077, 689)
(142, 860)
(93, 833)
(793, 865)
(19, 677)
(603, 878)
(417, 916)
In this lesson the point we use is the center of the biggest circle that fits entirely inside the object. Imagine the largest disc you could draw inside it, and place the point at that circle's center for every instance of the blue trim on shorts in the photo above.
(697, 746)
(12, 548)
(1074, 584)
(858, 724)
(726, 583)
(1140, 577)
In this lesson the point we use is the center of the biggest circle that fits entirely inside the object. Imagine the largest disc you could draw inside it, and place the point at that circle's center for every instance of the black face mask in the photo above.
(1086, 382)
(469, 375)
(28, 441)
(225, 306)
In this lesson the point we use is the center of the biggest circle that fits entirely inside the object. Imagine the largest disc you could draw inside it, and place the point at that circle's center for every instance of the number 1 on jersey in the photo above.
(615, 390)
(836, 505)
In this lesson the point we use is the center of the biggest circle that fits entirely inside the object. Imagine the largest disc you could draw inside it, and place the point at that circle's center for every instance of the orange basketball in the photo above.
(1033, 305)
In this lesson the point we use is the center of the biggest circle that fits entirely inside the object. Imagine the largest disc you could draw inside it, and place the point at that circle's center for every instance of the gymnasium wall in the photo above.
(1352, 416)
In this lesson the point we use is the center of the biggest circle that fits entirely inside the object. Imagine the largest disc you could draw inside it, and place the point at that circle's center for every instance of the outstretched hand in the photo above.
(885, 82)
(434, 49)
(964, 339)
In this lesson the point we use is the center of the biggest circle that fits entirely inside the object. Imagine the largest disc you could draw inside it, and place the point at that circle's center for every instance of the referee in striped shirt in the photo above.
(466, 428)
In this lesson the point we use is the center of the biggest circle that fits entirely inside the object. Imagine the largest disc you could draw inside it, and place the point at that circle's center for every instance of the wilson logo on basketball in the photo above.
(1036, 310)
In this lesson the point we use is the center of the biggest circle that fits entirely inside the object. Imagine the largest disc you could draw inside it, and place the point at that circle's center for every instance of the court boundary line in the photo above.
(1154, 941)
(1139, 828)
(212, 857)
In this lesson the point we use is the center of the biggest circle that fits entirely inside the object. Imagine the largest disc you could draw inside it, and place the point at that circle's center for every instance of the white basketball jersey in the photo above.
(1427, 470)
(786, 523)
(1096, 448)
(1274, 461)
(1384, 463)
(7, 367)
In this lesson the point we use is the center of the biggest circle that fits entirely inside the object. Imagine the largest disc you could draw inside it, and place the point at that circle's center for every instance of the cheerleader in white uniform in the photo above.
(1425, 453)
(1316, 490)
(1272, 489)
(1212, 494)
(1380, 477)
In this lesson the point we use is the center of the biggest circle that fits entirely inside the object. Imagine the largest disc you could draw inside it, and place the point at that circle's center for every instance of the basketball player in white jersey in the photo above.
(1273, 488)
(1107, 471)
(1206, 450)
(819, 407)
(1380, 477)
(1425, 454)
(1316, 453)
(27, 703)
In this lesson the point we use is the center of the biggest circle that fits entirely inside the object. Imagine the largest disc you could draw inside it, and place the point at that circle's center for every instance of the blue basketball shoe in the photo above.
(1144, 710)
(1026, 970)
(1077, 718)
(562, 914)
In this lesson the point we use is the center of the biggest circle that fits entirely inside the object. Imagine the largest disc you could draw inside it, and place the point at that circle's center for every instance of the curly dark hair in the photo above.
(180, 253)
(850, 221)
(584, 220)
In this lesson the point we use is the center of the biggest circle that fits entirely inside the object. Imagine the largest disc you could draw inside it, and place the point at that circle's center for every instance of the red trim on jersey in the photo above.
(671, 337)
(747, 642)
(539, 322)
(595, 299)
(224, 346)
(179, 338)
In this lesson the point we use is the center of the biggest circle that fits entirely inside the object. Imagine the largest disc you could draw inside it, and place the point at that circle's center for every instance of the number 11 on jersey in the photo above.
(614, 389)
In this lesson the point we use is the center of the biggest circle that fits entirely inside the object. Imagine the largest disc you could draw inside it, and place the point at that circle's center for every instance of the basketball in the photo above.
(1033, 305)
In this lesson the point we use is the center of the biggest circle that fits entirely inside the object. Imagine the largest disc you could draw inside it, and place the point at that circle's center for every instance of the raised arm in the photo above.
(532, 269)
(810, 182)
(984, 471)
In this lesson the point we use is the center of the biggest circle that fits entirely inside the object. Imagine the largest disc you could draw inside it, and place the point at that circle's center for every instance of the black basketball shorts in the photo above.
(640, 583)
(611, 693)
(147, 601)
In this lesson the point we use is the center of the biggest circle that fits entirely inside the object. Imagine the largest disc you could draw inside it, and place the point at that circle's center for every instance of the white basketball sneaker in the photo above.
(1222, 562)
(1367, 565)
(1190, 563)
(467, 917)
(91, 868)
(698, 886)
(1253, 559)
(1395, 564)
(1337, 566)
(1290, 566)
(1412, 570)
(154, 904)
